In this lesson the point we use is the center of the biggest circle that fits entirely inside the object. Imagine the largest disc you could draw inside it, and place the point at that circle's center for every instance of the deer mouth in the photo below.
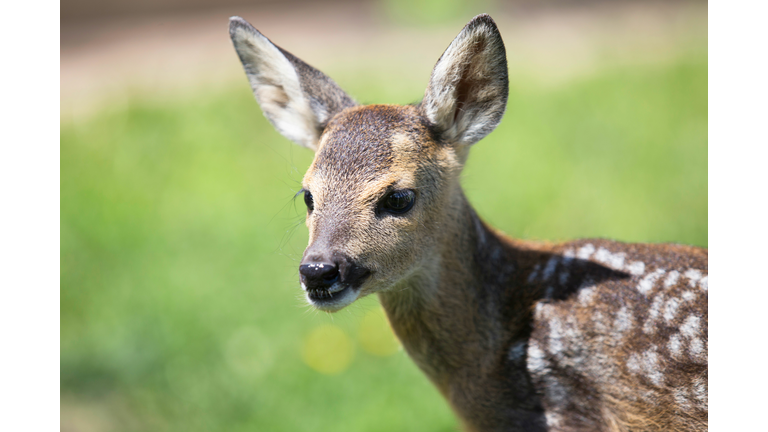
(338, 293)
(321, 293)
(333, 298)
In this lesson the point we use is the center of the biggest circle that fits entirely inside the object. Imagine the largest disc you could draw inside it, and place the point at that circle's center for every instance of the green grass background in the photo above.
(179, 236)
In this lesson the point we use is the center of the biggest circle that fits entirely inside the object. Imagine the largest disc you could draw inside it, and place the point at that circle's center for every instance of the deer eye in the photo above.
(398, 202)
(308, 200)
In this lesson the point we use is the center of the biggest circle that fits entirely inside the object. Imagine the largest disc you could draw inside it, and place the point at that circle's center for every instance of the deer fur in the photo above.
(589, 335)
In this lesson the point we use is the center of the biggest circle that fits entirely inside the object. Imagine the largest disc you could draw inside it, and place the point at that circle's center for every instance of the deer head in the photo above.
(382, 193)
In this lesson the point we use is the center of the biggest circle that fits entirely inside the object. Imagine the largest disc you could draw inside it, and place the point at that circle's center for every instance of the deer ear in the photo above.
(296, 98)
(468, 89)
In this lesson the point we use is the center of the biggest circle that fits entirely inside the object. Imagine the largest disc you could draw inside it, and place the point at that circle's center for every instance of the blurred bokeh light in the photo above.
(328, 350)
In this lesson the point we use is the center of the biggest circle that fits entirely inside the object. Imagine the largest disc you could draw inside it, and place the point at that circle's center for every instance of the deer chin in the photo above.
(333, 299)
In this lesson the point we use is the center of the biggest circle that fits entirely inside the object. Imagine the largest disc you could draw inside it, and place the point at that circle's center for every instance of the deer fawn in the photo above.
(590, 335)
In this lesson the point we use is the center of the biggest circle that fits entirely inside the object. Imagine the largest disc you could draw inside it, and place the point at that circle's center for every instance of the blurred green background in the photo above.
(180, 236)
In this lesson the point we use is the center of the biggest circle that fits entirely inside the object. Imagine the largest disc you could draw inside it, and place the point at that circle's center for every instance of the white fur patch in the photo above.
(671, 279)
(624, 320)
(555, 336)
(690, 327)
(646, 284)
(614, 261)
(650, 324)
(554, 420)
(675, 345)
(670, 309)
(693, 276)
(704, 283)
(601, 323)
(585, 251)
(696, 347)
(586, 295)
(536, 362)
(688, 296)
(652, 368)
(636, 268)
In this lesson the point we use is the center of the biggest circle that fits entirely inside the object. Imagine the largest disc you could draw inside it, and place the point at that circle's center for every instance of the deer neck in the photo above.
(448, 315)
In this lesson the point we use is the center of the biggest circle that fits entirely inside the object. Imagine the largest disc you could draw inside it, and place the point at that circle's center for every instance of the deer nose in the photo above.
(319, 274)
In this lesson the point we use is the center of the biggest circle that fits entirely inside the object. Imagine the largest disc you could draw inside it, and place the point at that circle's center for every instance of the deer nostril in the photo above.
(319, 275)
(332, 276)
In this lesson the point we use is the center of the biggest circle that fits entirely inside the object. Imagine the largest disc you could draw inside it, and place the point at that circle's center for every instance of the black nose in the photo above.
(319, 275)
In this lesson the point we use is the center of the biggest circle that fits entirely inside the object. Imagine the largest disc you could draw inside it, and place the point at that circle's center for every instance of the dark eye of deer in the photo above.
(398, 202)
(309, 201)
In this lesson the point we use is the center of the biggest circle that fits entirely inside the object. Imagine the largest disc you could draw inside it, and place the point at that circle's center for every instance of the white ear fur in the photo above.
(297, 99)
(467, 92)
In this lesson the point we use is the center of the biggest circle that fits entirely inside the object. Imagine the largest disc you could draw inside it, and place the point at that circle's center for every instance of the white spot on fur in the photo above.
(671, 279)
(614, 261)
(696, 348)
(555, 336)
(600, 322)
(585, 251)
(623, 320)
(569, 254)
(688, 296)
(549, 269)
(646, 284)
(650, 324)
(586, 295)
(675, 345)
(651, 367)
(636, 268)
(554, 420)
(670, 310)
(690, 327)
(693, 276)
(536, 362)
(704, 282)
(542, 311)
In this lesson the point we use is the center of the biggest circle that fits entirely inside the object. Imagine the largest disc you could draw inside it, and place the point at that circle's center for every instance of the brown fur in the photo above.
(590, 335)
